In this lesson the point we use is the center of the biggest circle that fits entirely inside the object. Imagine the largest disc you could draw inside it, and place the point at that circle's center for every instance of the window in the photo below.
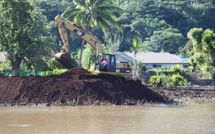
(185, 66)
(156, 66)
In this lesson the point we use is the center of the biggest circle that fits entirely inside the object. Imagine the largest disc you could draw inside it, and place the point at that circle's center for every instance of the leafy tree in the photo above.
(142, 18)
(43, 43)
(113, 41)
(171, 19)
(15, 30)
(203, 47)
(93, 13)
(51, 8)
(168, 40)
(146, 19)
(21, 33)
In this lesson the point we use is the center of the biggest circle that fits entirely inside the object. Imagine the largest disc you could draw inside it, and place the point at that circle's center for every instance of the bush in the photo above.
(154, 80)
(160, 80)
(168, 80)
(55, 72)
(172, 71)
(176, 69)
(179, 80)
(54, 64)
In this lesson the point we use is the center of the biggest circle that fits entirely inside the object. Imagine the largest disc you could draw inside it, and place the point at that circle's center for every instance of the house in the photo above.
(2, 56)
(151, 60)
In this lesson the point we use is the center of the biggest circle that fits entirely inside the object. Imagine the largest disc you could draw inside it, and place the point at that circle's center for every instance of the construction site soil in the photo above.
(77, 86)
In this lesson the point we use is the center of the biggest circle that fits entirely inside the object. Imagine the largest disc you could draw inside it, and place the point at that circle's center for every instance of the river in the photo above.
(153, 119)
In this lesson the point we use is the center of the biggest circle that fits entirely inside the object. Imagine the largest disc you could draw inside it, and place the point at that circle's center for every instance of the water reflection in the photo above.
(192, 119)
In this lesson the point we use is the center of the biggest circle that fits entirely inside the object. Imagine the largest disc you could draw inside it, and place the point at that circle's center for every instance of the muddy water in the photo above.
(192, 119)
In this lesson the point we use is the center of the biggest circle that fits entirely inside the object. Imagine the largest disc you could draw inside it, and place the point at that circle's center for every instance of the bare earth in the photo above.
(74, 88)
(195, 95)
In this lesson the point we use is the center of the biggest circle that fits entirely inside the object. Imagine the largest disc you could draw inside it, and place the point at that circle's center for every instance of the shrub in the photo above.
(54, 64)
(176, 69)
(168, 80)
(55, 72)
(155, 80)
(179, 80)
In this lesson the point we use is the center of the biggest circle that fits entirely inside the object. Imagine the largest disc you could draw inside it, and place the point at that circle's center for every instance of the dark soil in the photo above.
(79, 87)
(189, 95)
(75, 87)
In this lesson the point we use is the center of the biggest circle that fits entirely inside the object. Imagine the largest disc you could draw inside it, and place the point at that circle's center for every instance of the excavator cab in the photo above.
(112, 66)
(107, 63)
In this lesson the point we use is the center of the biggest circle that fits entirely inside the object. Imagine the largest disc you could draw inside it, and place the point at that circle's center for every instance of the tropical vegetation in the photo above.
(94, 13)
(29, 36)
(169, 78)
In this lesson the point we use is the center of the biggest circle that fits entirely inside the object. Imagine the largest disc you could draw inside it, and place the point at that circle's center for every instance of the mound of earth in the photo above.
(2, 75)
(189, 95)
(69, 89)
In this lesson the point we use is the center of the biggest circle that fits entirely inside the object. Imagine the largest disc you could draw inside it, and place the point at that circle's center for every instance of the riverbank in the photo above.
(70, 88)
(188, 95)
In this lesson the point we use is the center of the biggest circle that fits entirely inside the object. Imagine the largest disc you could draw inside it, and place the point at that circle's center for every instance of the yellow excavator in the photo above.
(64, 57)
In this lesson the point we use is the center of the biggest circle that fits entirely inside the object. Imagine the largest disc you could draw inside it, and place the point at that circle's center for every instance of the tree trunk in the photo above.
(81, 53)
(35, 56)
(16, 66)
(135, 66)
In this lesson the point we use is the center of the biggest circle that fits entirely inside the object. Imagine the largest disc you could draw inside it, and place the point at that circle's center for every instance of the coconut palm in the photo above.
(135, 48)
(94, 13)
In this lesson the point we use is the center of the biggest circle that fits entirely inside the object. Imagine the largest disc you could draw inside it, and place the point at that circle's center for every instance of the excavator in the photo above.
(114, 68)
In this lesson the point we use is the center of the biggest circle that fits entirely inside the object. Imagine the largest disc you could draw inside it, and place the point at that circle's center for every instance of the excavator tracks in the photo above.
(110, 78)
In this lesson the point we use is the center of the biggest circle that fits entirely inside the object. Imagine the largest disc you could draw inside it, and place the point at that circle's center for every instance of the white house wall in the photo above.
(163, 60)
(163, 66)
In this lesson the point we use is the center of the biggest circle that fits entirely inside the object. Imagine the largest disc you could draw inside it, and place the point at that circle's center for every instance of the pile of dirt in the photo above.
(2, 75)
(69, 89)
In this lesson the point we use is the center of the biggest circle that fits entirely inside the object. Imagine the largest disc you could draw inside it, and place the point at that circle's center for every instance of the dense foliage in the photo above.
(28, 34)
(170, 78)
(93, 13)
(161, 25)
(23, 33)
(201, 48)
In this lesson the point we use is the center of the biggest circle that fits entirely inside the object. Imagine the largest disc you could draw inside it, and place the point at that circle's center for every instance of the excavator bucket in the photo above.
(65, 59)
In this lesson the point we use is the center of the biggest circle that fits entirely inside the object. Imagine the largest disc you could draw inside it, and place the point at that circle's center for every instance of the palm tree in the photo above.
(94, 13)
(135, 48)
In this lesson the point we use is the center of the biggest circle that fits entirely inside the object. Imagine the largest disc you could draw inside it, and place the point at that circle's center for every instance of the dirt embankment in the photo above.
(79, 87)
(189, 95)
(75, 87)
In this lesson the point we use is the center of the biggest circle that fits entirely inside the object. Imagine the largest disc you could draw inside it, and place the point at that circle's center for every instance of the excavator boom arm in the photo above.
(64, 57)
(64, 25)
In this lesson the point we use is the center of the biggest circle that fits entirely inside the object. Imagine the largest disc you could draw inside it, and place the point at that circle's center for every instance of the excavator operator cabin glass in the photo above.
(112, 63)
